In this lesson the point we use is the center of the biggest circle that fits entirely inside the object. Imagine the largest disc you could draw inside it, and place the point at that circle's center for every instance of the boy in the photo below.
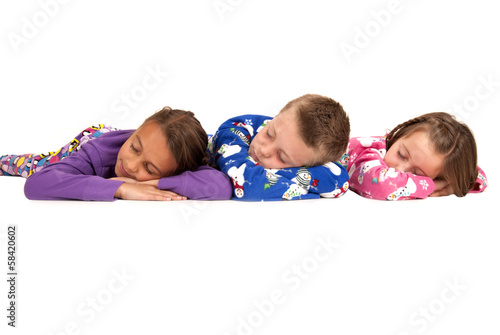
(289, 157)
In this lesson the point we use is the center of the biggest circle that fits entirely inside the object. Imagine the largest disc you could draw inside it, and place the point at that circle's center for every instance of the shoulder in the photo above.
(376, 142)
(107, 144)
(247, 120)
(244, 127)
(113, 137)
(362, 148)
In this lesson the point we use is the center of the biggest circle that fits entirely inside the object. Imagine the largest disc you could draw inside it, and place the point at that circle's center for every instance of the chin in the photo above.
(117, 171)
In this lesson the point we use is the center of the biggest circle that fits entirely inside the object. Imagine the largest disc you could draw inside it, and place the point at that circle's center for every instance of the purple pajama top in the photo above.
(83, 176)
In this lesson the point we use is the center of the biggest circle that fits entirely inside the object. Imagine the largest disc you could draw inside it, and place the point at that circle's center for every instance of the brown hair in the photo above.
(451, 138)
(186, 138)
(323, 125)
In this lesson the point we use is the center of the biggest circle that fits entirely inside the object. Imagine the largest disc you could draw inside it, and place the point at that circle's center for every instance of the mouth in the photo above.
(125, 173)
(253, 155)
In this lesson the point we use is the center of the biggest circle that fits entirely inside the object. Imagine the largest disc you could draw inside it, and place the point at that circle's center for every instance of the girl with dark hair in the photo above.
(164, 159)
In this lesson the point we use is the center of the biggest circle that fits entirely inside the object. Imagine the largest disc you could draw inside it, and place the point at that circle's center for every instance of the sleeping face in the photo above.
(145, 155)
(279, 144)
(415, 153)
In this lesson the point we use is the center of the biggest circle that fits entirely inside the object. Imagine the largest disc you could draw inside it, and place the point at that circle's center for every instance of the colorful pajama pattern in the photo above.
(372, 178)
(27, 164)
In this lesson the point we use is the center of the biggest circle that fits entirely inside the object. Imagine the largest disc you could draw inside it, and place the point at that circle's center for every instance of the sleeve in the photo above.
(76, 177)
(481, 182)
(229, 149)
(205, 183)
(370, 177)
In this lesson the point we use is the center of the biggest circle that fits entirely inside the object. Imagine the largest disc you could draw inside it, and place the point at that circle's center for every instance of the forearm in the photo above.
(205, 183)
(373, 179)
(481, 182)
(328, 180)
(53, 184)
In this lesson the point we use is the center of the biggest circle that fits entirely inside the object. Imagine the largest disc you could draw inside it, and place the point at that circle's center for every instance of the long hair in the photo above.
(186, 138)
(451, 138)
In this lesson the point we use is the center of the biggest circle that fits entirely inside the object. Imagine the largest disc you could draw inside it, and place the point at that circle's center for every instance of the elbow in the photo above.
(228, 193)
(223, 189)
(37, 187)
(215, 186)
(30, 190)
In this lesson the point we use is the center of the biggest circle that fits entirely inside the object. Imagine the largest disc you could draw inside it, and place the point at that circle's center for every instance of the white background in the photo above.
(198, 267)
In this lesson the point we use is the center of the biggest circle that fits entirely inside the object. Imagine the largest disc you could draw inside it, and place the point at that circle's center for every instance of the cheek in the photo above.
(142, 177)
(121, 154)
(257, 140)
(434, 166)
(259, 136)
(390, 159)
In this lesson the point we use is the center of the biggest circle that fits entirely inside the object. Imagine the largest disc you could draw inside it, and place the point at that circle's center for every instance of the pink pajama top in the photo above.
(370, 177)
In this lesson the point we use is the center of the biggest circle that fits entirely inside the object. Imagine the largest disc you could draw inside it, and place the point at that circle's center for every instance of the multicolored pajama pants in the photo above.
(26, 165)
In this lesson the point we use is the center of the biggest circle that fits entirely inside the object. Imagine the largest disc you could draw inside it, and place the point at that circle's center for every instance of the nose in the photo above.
(132, 166)
(267, 150)
(403, 167)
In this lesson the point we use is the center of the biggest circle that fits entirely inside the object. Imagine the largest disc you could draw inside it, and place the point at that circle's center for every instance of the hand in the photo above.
(125, 179)
(441, 188)
(140, 191)
(153, 182)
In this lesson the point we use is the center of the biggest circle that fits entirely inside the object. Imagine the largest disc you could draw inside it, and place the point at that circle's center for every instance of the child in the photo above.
(263, 155)
(162, 160)
(431, 155)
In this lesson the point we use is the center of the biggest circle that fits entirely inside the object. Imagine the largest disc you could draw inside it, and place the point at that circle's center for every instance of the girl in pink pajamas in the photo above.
(430, 155)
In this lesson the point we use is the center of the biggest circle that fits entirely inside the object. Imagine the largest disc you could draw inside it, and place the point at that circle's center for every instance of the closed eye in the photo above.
(147, 169)
(281, 159)
(134, 149)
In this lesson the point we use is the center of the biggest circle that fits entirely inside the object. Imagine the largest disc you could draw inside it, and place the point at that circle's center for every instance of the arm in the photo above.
(481, 182)
(229, 149)
(444, 189)
(75, 177)
(205, 183)
(372, 178)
